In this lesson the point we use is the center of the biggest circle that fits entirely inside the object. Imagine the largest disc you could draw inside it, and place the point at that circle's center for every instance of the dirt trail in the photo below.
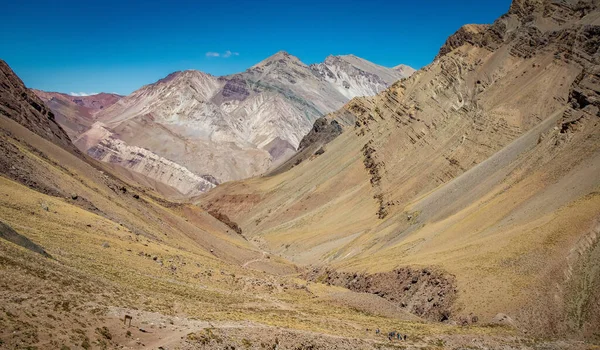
(263, 258)
(154, 330)
(150, 330)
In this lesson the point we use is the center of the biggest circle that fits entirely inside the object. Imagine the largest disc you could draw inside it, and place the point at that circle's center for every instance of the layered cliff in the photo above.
(483, 164)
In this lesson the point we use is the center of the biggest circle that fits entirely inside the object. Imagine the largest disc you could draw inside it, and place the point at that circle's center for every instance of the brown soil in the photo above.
(423, 292)
(225, 219)
(483, 164)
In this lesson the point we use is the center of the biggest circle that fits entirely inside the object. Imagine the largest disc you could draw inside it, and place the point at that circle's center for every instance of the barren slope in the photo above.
(80, 250)
(226, 128)
(76, 113)
(483, 164)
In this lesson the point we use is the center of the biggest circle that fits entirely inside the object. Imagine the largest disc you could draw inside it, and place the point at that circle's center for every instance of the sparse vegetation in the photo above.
(104, 332)
(204, 337)
(246, 343)
(415, 233)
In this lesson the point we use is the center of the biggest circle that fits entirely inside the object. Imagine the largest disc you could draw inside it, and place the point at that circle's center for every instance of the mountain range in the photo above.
(484, 164)
(76, 113)
(456, 208)
(190, 131)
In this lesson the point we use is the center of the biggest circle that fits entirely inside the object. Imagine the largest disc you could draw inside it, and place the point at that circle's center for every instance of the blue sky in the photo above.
(118, 46)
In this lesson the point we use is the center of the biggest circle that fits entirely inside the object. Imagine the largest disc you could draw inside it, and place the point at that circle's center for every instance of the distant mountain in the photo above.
(353, 76)
(76, 113)
(231, 127)
(485, 165)
(405, 70)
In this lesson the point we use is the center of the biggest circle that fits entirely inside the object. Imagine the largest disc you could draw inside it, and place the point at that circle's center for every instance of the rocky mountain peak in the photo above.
(524, 7)
(469, 33)
(560, 11)
(240, 125)
(333, 59)
(182, 76)
(280, 59)
(282, 54)
(404, 69)
(188, 82)
(337, 59)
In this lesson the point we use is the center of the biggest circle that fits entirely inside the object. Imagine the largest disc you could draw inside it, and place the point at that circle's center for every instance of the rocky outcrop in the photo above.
(375, 168)
(561, 11)
(23, 106)
(425, 292)
(529, 26)
(225, 219)
(323, 131)
(473, 34)
(101, 144)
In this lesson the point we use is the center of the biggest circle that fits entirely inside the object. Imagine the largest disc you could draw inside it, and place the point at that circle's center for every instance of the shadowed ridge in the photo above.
(7, 233)
(23, 106)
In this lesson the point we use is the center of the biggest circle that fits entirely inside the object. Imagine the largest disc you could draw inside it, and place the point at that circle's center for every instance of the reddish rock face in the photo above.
(93, 102)
(20, 104)
(76, 114)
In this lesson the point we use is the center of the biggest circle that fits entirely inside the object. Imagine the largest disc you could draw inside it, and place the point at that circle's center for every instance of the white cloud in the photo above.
(82, 93)
(229, 54)
(225, 54)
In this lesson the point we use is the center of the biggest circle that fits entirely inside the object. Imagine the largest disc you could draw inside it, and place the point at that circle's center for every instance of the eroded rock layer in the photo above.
(483, 164)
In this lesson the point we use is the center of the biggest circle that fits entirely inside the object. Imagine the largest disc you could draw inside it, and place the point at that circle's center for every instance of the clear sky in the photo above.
(118, 46)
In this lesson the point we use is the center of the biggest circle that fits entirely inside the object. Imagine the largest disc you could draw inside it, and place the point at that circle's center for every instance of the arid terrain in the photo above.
(76, 114)
(190, 131)
(459, 208)
(483, 166)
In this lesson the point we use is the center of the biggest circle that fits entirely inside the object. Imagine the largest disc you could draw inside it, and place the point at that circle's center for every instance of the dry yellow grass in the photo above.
(99, 265)
(473, 167)
(476, 175)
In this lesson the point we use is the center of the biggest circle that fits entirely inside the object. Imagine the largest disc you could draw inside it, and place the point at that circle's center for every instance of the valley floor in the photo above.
(458, 207)
(180, 298)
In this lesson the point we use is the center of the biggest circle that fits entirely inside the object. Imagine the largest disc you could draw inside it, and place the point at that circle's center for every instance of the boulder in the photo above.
(503, 320)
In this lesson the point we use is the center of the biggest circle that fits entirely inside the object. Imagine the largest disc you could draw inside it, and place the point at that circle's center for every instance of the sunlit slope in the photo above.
(173, 267)
(116, 249)
(484, 164)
